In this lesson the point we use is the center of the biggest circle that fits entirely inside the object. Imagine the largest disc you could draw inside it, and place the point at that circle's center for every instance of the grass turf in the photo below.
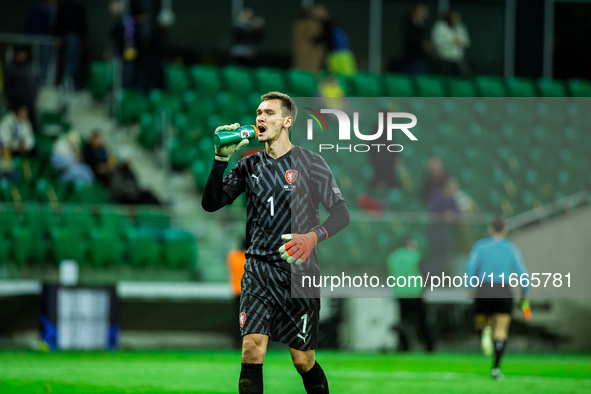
(217, 372)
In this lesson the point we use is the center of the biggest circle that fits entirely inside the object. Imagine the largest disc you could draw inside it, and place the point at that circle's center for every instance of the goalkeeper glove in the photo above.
(223, 153)
(299, 247)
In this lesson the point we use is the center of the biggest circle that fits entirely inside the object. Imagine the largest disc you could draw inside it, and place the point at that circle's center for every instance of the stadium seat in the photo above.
(430, 86)
(579, 88)
(398, 85)
(176, 78)
(490, 86)
(182, 154)
(180, 249)
(520, 87)
(301, 83)
(551, 88)
(366, 84)
(198, 106)
(160, 101)
(152, 219)
(9, 218)
(80, 220)
(145, 249)
(115, 221)
(67, 244)
(22, 245)
(149, 135)
(200, 170)
(269, 79)
(99, 79)
(237, 80)
(94, 193)
(206, 80)
(101, 256)
(231, 107)
(461, 87)
(133, 105)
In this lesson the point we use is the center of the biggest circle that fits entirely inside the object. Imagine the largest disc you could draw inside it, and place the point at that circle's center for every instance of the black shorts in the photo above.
(490, 300)
(266, 307)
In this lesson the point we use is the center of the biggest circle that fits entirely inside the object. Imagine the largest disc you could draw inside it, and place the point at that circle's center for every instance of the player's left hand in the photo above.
(298, 247)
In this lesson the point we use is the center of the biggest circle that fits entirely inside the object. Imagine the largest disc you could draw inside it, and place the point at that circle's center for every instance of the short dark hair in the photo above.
(288, 106)
(498, 224)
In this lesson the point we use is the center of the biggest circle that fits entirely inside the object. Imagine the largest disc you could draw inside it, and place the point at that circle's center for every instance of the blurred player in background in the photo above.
(493, 301)
(236, 259)
(274, 190)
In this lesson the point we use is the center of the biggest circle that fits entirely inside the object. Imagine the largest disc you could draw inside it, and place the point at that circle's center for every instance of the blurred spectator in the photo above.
(434, 179)
(450, 39)
(96, 156)
(236, 259)
(41, 20)
(124, 186)
(20, 85)
(126, 35)
(405, 262)
(465, 203)
(16, 132)
(307, 46)
(71, 30)
(65, 158)
(339, 59)
(416, 44)
(248, 30)
(444, 211)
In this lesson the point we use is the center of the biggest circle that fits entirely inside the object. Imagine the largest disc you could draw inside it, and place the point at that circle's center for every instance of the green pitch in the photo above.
(217, 372)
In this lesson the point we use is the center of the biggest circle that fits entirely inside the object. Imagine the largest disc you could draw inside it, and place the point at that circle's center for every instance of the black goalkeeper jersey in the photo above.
(282, 197)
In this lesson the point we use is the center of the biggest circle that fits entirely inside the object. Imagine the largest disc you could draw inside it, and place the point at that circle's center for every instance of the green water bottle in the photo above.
(230, 137)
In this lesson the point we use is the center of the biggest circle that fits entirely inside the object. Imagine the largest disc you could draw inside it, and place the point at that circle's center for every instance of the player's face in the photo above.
(270, 120)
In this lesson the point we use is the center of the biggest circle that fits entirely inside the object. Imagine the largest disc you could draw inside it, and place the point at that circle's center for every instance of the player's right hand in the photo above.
(223, 153)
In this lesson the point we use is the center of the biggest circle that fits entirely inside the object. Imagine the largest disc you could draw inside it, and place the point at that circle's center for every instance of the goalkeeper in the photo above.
(284, 186)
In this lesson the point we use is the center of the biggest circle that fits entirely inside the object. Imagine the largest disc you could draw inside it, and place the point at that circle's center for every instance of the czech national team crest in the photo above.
(290, 176)
(242, 319)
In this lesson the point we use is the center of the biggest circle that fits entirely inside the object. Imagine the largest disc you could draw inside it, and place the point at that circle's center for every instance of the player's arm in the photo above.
(220, 191)
(472, 265)
(519, 268)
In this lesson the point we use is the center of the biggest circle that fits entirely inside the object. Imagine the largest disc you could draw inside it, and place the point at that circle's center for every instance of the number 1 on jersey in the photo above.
(270, 200)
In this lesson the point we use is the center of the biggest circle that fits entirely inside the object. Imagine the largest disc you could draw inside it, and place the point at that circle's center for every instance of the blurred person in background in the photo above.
(493, 301)
(124, 186)
(406, 262)
(71, 30)
(339, 58)
(67, 161)
(443, 211)
(450, 40)
(308, 49)
(434, 180)
(236, 259)
(16, 132)
(248, 30)
(96, 156)
(41, 20)
(20, 84)
(416, 42)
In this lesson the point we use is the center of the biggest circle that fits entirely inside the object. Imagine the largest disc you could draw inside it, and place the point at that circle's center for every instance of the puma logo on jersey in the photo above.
(256, 177)
(303, 337)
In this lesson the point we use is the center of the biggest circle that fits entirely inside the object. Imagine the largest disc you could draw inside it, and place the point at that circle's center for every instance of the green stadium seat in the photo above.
(579, 88)
(551, 88)
(160, 101)
(269, 79)
(115, 221)
(206, 80)
(182, 154)
(145, 249)
(180, 249)
(198, 106)
(176, 78)
(430, 86)
(4, 251)
(149, 135)
(22, 245)
(232, 107)
(398, 85)
(94, 193)
(101, 256)
(461, 87)
(301, 83)
(133, 105)
(238, 80)
(490, 86)
(78, 219)
(152, 219)
(9, 218)
(366, 84)
(67, 244)
(200, 170)
(45, 192)
(520, 87)
(99, 79)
